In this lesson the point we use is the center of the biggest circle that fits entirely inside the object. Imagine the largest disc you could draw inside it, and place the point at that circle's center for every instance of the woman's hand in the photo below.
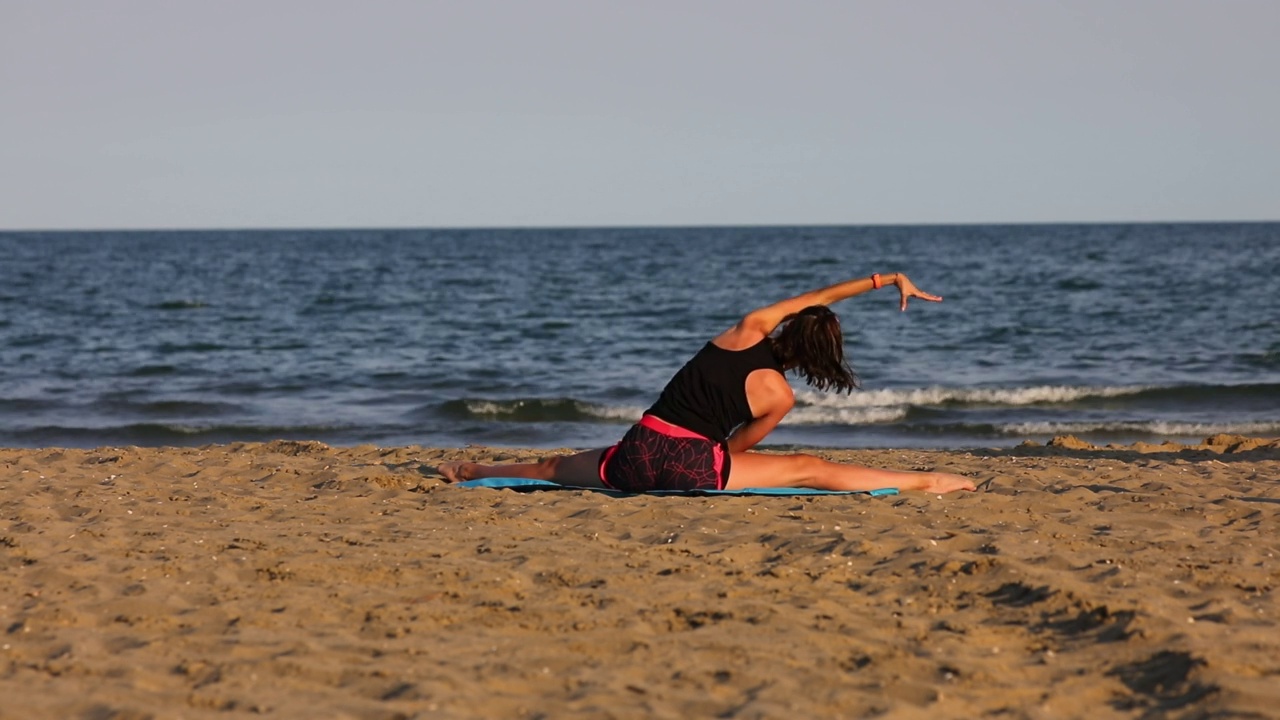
(908, 290)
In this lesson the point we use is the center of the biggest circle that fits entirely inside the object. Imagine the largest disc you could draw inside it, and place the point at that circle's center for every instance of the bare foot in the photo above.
(455, 471)
(939, 482)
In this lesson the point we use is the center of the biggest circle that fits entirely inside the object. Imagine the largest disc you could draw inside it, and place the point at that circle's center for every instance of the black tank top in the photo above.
(709, 394)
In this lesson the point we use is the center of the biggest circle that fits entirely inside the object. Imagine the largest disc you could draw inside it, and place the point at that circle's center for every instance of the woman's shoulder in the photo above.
(738, 338)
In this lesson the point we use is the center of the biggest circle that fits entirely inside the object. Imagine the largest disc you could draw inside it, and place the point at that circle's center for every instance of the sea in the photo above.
(551, 338)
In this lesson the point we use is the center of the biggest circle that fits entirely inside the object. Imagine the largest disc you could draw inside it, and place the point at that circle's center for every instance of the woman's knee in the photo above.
(807, 468)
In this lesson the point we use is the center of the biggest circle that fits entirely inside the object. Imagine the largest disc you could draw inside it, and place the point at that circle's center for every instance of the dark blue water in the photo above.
(562, 337)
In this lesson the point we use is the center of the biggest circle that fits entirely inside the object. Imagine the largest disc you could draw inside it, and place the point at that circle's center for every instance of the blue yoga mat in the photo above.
(526, 485)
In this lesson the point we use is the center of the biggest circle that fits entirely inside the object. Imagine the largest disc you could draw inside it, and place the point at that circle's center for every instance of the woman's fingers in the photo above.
(916, 292)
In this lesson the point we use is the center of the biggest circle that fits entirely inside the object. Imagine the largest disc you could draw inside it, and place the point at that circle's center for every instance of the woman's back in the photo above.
(708, 395)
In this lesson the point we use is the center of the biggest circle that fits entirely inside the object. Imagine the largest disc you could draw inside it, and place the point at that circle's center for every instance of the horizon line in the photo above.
(658, 226)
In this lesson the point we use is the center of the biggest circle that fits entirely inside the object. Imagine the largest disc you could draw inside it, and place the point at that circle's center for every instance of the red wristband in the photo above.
(875, 281)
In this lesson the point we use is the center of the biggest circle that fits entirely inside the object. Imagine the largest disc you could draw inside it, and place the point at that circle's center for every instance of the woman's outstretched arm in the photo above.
(764, 320)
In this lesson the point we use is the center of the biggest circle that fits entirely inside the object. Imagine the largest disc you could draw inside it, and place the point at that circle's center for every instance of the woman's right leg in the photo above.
(756, 470)
(579, 470)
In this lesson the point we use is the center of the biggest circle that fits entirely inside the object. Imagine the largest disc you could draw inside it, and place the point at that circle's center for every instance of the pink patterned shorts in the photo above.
(656, 455)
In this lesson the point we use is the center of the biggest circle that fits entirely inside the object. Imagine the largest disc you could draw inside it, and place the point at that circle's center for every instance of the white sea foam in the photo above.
(489, 407)
(924, 397)
(801, 415)
(629, 413)
(1155, 427)
(893, 405)
(811, 415)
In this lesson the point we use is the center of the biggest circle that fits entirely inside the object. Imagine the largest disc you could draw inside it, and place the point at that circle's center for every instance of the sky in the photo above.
(138, 114)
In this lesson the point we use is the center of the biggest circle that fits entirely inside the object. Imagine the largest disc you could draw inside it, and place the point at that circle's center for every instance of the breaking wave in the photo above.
(1154, 428)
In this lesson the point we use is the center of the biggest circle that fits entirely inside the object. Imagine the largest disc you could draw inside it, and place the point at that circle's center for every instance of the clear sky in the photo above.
(394, 113)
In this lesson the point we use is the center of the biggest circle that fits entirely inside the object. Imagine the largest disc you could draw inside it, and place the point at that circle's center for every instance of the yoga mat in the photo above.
(527, 485)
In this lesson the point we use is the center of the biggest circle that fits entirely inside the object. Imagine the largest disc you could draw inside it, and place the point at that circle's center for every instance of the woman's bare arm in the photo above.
(771, 399)
(749, 434)
(761, 322)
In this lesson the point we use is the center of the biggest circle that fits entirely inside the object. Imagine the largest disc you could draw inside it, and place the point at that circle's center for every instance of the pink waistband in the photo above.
(666, 428)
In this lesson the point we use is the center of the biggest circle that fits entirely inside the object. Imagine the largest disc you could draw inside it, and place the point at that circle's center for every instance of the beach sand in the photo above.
(293, 579)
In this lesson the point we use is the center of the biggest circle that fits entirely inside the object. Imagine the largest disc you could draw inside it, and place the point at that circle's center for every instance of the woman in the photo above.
(726, 400)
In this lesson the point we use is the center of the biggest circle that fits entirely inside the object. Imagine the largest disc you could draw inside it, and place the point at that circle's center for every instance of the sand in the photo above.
(293, 579)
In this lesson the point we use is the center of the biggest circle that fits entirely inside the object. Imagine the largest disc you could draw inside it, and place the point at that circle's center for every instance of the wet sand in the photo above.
(293, 579)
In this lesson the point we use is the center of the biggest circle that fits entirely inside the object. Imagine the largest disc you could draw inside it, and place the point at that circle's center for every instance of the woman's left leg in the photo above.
(578, 470)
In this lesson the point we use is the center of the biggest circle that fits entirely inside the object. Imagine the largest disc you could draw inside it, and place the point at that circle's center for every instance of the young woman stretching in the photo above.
(726, 400)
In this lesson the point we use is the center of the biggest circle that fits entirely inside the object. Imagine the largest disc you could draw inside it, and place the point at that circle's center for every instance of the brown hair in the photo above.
(810, 342)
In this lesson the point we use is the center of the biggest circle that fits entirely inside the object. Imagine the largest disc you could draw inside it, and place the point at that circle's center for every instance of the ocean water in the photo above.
(555, 338)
